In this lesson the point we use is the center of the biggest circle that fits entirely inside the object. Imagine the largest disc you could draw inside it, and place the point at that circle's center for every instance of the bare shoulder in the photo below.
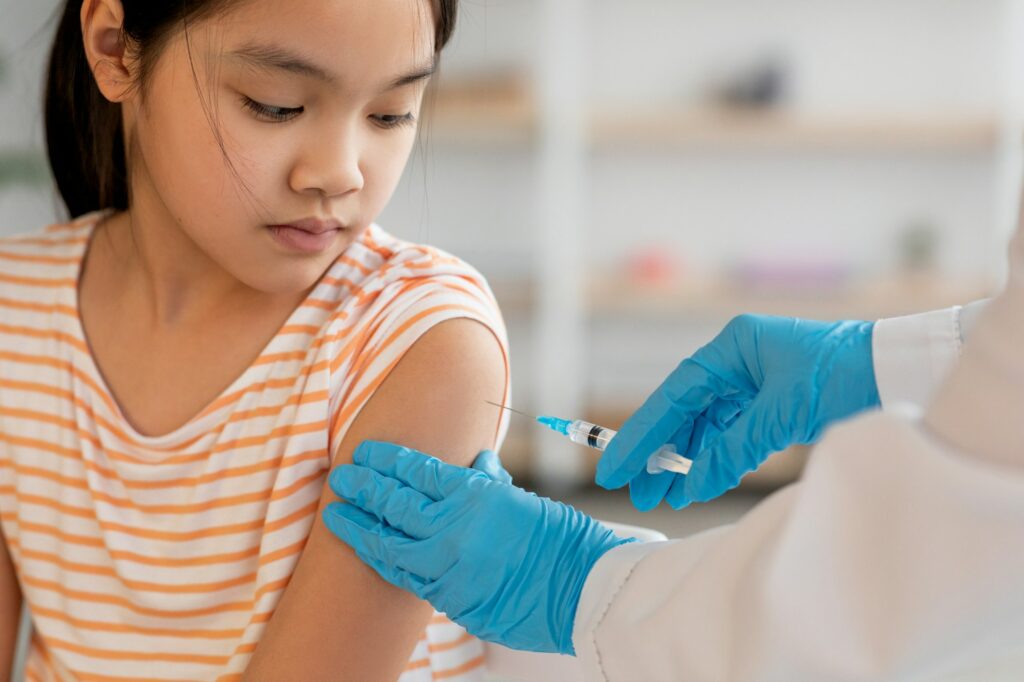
(436, 398)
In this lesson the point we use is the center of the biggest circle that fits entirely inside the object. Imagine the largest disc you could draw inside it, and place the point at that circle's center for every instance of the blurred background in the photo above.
(630, 175)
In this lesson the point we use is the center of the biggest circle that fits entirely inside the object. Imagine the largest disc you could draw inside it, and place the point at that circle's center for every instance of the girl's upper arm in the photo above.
(10, 610)
(338, 619)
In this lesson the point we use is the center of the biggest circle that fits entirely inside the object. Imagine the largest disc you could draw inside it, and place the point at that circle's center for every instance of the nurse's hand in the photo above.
(762, 384)
(503, 563)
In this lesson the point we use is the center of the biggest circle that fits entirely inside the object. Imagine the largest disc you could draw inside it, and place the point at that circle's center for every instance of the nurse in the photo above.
(899, 555)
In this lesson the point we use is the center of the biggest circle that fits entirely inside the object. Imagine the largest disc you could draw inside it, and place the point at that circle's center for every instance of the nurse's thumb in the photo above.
(489, 463)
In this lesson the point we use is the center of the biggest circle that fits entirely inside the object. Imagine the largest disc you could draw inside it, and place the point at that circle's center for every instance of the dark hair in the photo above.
(84, 132)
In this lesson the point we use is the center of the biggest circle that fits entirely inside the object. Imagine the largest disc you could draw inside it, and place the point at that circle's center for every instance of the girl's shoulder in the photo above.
(379, 262)
(379, 255)
(381, 277)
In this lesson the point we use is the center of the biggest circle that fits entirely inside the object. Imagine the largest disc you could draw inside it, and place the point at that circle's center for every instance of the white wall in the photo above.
(25, 39)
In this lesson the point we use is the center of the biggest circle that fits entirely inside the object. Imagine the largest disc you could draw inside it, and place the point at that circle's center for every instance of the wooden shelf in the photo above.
(719, 298)
(485, 110)
(480, 113)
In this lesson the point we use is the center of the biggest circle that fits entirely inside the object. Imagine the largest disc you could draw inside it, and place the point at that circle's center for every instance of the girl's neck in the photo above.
(158, 269)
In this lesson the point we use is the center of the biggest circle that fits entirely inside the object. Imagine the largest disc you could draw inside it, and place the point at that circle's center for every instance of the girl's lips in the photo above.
(303, 241)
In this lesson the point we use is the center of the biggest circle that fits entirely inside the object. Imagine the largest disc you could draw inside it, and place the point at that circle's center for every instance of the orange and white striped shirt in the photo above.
(164, 557)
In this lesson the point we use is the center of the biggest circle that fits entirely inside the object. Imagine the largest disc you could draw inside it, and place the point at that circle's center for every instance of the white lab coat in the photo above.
(898, 556)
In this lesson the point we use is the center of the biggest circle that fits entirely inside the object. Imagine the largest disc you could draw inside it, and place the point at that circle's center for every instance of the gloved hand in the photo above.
(505, 564)
(762, 384)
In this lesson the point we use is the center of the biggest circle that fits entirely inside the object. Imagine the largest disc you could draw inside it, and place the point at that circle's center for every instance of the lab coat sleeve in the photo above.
(895, 556)
(914, 353)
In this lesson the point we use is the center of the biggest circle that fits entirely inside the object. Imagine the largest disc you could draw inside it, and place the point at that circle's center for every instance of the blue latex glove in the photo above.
(762, 384)
(503, 563)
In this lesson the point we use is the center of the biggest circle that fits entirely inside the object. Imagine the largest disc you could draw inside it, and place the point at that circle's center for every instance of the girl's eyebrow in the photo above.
(274, 57)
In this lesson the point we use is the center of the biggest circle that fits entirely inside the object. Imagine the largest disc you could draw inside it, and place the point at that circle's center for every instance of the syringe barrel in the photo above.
(591, 435)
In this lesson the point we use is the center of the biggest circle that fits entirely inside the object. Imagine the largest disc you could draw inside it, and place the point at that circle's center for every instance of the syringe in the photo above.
(597, 437)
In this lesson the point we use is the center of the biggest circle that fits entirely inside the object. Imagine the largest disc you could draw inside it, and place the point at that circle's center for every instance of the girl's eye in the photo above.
(267, 112)
(393, 120)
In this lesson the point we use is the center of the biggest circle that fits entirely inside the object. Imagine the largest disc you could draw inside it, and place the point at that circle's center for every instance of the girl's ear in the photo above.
(105, 49)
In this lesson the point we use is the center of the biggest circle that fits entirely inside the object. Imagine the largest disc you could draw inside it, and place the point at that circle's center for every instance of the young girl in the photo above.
(182, 365)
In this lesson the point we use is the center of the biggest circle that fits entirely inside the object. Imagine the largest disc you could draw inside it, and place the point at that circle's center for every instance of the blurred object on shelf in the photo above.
(793, 277)
(653, 267)
(721, 298)
(760, 84)
(919, 245)
(494, 106)
(23, 168)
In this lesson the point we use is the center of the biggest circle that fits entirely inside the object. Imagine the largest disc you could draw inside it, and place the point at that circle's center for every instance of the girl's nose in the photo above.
(329, 166)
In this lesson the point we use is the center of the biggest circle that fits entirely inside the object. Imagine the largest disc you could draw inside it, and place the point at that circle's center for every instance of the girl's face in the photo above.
(276, 113)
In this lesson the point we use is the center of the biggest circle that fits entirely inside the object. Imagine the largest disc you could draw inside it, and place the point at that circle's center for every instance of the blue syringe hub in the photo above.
(556, 424)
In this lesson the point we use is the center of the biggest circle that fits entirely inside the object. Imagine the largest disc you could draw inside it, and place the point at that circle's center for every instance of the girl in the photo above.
(182, 365)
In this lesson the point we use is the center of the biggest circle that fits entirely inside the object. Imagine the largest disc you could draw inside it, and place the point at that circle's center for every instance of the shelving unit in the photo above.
(679, 129)
(560, 105)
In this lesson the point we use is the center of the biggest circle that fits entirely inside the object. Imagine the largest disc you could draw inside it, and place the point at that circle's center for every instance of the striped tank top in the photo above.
(164, 557)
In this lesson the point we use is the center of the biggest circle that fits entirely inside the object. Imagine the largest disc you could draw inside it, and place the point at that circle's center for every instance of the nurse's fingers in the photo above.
(388, 499)
(646, 491)
(427, 474)
(708, 428)
(385, 549)
(672, 408)
(740, 449)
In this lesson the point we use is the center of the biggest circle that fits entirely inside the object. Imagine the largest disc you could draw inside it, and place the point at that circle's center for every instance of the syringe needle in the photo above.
(509, 409)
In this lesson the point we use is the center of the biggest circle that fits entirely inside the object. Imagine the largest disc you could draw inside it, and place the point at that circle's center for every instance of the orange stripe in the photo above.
(120, 555)
(473, 664)
(216, 405)
(139, 585)
(44, 334)
(109, 655)
(40, 360)
(416, 664)
(217, 503)
(305, 329)
(32, 258)
(182, 536)
(297, 399)
(370, 244)
(455, 643)
(232, 398)
(320, 303)
(93, 677)
(280, 463)
(351, 262)
(223, 401)
(352, 406)
(250, 441)
(280, 357)
(47, 283)
(38, 307)
(93, 569)
(82, 223)
(100, 626)
(100, 598)
(43, 241)
(373, 326)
